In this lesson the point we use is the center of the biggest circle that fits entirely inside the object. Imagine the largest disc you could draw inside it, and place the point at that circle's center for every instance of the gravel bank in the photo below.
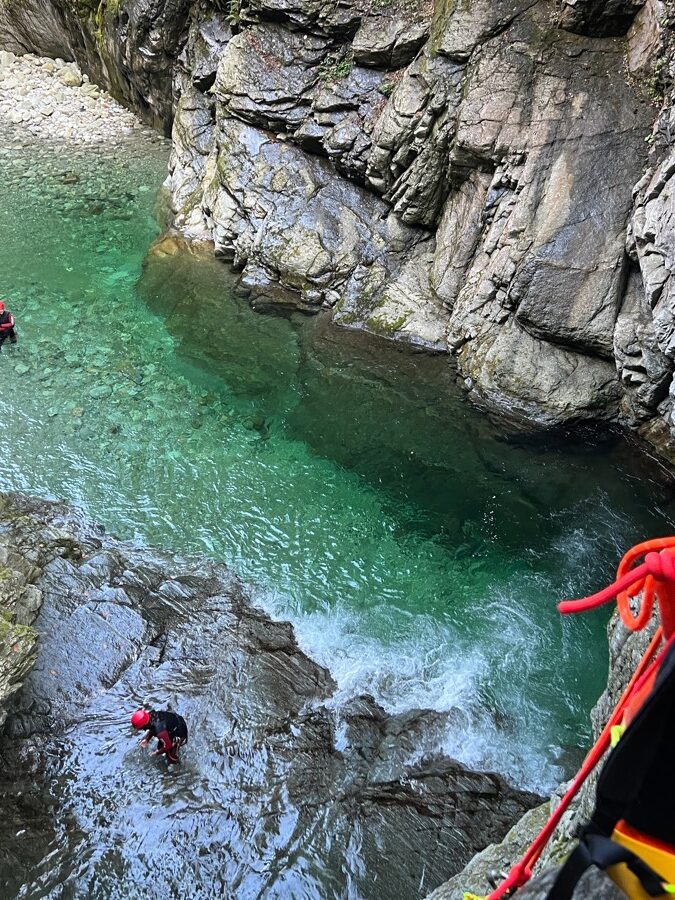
(52, 99)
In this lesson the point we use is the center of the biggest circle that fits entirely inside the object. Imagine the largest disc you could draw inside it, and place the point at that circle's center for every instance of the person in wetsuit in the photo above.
(168, 727)
(6, 326)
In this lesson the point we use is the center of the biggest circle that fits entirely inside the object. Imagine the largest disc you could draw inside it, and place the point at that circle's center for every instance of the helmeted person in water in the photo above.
(6, 326)
(168, 727)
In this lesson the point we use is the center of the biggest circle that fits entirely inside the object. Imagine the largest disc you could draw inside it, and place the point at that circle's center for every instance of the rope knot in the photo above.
(662, 564)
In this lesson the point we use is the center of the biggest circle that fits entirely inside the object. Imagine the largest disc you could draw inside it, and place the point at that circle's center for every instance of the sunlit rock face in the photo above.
(276, 791)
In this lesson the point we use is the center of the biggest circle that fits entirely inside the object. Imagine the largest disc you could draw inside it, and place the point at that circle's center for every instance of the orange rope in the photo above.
(647, 586)
(656, 572)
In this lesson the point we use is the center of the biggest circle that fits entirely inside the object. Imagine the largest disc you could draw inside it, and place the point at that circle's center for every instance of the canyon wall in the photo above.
(481, 179)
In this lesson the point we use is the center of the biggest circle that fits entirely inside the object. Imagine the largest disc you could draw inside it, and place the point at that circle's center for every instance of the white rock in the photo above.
(70, 76)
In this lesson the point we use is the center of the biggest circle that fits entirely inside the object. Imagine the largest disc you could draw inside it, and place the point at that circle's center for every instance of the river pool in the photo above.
(418, 548)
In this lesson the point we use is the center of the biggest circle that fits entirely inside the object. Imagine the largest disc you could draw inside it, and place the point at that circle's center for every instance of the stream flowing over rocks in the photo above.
(489, 180)
(276, 794)
(626, 650)
(458, 176)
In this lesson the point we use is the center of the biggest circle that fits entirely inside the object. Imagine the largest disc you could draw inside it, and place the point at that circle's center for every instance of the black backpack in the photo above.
(631, 833)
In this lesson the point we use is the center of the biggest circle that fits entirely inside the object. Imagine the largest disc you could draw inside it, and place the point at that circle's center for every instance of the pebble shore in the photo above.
(52, 99)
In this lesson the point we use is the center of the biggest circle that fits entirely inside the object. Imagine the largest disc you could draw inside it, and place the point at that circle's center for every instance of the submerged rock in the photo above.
(278, 791)
(100, 391)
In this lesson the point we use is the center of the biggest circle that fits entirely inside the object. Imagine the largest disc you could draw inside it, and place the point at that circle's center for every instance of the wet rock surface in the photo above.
(277, 791)
(20, 601)
(504, 148)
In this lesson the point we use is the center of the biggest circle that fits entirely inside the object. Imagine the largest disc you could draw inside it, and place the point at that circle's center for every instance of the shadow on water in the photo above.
(417, 547)
(397, 419)
(501, 523)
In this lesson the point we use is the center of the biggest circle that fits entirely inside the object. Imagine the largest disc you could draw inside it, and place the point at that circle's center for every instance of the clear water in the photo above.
(418, 550)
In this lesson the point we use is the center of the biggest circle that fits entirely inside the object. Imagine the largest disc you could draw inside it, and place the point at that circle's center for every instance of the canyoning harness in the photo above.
(6, 321)
(171, 732)
(631, 834)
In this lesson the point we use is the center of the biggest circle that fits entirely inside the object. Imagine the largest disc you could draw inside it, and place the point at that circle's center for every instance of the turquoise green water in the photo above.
(417, 549)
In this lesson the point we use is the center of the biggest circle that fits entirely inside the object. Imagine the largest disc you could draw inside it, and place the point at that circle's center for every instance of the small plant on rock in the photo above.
(234, 12)
(337, 65)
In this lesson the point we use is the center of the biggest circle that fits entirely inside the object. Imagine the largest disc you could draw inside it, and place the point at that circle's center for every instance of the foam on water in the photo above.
(452, 667)
(417, 550)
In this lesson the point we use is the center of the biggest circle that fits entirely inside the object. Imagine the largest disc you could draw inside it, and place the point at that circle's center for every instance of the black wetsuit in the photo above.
(7, 327)
(170, 730)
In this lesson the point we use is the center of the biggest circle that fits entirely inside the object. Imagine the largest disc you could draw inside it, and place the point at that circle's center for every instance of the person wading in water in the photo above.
(168, 727)
(6, 326)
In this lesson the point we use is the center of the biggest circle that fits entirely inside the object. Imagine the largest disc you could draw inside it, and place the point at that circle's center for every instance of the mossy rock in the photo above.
(387, 327)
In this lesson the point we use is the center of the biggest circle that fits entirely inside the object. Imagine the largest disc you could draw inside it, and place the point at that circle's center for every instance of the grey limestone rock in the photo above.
(266, 75)
(195, 116)
(495, 141)
(303, 237)
(324, 17)
(646, 349)
(511, 371)
(389, 40)
(27, 27)
(459, 28)
(409, 159)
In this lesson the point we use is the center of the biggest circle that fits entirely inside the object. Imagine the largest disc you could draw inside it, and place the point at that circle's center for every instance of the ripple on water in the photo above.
(416, 548)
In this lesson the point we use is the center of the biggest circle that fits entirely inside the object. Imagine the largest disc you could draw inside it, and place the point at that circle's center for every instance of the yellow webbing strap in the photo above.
(657, 857)
(468, 896)
(616, 732)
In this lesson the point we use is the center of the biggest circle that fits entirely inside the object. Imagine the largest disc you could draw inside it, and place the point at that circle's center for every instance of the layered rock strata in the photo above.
(20, 600)
(473, 198)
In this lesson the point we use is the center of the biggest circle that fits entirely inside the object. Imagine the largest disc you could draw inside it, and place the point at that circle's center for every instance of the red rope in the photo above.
(657, 572)
(522, 871)
(605, 595)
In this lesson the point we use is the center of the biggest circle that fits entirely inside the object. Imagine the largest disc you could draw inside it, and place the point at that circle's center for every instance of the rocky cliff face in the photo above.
(278, 791)
(20, 600)
(458, 176)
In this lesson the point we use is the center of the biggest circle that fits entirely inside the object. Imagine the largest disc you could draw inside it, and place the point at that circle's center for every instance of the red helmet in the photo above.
(2, 306)
(140, 718)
